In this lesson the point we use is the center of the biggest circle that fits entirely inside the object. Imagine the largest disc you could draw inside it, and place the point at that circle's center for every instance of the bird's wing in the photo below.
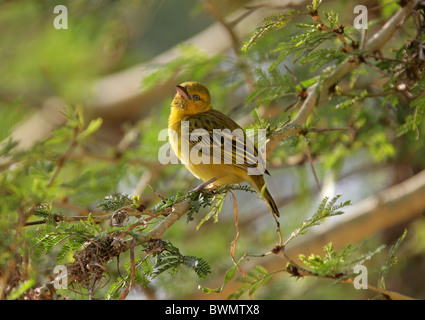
(218, 139)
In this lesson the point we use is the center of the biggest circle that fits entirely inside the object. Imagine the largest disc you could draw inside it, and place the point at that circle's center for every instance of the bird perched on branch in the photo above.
(211, 145)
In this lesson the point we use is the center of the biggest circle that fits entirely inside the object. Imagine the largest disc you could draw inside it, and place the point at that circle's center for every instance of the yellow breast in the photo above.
(179, 136)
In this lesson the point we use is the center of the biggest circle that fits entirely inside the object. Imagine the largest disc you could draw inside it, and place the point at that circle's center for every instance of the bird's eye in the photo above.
(196, 97)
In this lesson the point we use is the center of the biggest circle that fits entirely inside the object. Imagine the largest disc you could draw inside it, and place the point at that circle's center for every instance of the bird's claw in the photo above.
(205, 187)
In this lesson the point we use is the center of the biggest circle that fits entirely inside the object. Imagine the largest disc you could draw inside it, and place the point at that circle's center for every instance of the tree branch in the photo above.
(177, 212)
(314, 92)
(299, 272)
(89, 264)
(119, 97)
(389, 208)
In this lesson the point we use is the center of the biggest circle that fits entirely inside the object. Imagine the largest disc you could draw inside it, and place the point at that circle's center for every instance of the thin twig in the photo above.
(338, 32)
(294, 269)
(235, 240)
(133, 272)
(213, 7)
(310, 161)
(157, 193)
(235, 42)
(64, 157)
(294, 77)
(328, 129)
(377, 41)
(97, 219)
(23, 215)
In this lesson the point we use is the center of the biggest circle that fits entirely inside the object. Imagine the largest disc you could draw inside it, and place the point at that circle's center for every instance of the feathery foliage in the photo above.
(79, 197)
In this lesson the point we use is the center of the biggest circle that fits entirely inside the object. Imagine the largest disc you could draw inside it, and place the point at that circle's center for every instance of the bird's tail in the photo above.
(270, 202)
(261, 187)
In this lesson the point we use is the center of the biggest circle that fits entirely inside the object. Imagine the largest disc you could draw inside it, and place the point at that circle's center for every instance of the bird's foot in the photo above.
(205, 187)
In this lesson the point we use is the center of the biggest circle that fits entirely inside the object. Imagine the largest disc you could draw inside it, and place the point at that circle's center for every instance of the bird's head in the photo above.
(192, 98)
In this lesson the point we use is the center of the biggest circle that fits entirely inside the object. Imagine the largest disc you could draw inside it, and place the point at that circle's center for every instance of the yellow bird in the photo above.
(211, 145)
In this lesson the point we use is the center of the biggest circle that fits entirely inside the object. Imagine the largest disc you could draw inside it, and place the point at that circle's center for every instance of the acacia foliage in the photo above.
(46, 188)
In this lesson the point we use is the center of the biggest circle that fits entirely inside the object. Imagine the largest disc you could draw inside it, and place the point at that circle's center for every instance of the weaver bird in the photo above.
(198, 136)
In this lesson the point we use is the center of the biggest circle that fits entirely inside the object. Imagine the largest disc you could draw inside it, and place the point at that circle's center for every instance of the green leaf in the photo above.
(215, 209)
(332, 17)
(21, 289)
(261, 270)
(93, 126)
(391, 260)
(114, 202)
(252, 281)
(171, 260)
(270, 86)
(316, 4)
(69, 247)
(229, 275)
(91, 224)
(337, 264)
(271, 23)
(326, 209)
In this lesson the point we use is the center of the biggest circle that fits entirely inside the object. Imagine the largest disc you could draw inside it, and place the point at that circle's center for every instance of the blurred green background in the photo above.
(105, 65)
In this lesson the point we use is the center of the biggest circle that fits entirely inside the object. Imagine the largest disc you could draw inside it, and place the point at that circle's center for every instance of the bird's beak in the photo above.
(183, 92)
